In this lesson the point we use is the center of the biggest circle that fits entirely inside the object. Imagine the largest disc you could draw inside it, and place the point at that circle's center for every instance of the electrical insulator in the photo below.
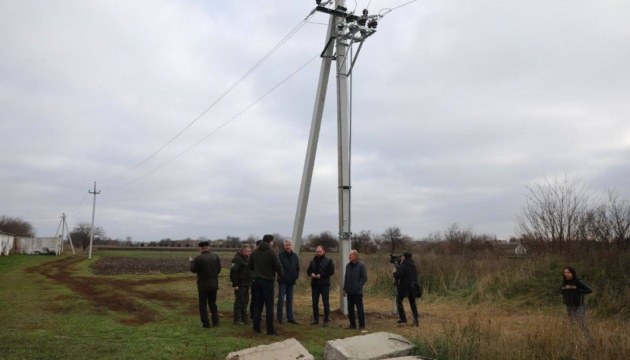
(318, 2)
(373, 24)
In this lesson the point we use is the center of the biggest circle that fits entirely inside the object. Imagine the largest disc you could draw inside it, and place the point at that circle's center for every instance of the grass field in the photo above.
(59, 308)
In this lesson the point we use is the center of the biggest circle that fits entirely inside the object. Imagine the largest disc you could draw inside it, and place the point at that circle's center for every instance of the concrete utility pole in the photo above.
(344, 30)
(93, 211)
(64, 225)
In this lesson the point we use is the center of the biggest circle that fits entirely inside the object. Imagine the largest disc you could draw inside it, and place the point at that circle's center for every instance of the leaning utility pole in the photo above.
(93, 211)
(344, 29)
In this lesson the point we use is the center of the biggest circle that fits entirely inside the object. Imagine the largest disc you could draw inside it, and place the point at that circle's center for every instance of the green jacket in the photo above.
(264, 263)
(207, 266)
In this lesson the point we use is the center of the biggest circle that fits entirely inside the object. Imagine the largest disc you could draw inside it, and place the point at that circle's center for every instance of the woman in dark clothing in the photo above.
(573, 290)
(406, 274)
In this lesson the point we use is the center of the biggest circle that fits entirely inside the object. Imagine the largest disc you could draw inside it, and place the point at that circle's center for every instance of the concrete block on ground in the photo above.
(380, 345)
(289, 349)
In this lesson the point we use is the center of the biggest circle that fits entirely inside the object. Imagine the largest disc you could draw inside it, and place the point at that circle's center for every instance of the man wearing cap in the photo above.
(406, 274)
(241, 279)
(265, 267)
(207, 266)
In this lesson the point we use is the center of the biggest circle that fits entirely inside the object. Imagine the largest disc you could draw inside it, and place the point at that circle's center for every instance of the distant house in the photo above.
(520, 250)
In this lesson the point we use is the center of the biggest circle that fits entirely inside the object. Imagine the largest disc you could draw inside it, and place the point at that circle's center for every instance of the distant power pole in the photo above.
(64, 225)
(344, 30)
(93, 211)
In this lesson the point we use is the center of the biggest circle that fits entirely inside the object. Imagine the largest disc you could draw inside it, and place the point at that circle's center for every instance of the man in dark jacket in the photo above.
(286, 284)
(320, 270)
(207, 266)
(406, 274)
(241, 279)
(356, 277)
(264, 265)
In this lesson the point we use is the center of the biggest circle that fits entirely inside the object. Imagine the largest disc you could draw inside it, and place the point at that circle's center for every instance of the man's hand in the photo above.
(235, 288)
(343, 293)
(190, 259)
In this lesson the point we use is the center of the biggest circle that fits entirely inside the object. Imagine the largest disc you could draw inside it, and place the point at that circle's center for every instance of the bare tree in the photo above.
(610, 222)
(81, 233)
(362, 242)
(16, 226)
(457, 238)
(394, 237)
(325, 239)
(555, 212)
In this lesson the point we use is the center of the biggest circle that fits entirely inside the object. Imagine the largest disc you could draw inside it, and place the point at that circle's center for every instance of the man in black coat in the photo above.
(286, 283)
(207, 266)
(241, 279)
(264, 265)
(355, 278)
(406, 274)
(320, 270)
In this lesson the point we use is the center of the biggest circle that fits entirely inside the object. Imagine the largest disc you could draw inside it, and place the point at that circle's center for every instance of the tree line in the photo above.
(557, 213)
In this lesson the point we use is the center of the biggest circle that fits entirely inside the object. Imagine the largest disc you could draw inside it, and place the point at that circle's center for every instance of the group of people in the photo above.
(257, 270)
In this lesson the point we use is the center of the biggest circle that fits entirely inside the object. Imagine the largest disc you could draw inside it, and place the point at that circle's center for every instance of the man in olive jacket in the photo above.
(356, 277)
(264, 265)
(207, 266)
(241, 279)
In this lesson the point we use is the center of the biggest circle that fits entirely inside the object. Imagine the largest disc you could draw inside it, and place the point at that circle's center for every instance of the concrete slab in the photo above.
(380, 345)
(289, 349)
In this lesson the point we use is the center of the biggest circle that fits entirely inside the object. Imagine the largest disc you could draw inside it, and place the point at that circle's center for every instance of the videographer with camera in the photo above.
(405, 275)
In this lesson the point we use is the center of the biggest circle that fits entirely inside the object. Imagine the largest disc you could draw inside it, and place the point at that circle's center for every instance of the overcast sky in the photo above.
(457, 106)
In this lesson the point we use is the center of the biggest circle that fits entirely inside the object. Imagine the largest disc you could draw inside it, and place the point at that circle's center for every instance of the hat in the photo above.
(258, 242)
(407, 255)
(204, 244)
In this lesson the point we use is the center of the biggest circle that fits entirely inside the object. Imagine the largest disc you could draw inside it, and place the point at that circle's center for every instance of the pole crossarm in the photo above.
(350, 29)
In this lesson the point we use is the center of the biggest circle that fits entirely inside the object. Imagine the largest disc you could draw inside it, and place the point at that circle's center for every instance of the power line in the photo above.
(116, 178)
(220, 127)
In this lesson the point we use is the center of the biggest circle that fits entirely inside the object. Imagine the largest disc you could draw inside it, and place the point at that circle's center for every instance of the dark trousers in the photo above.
(356, 300)
(206, 299)
(412, 304)
(285, 292)
(262, 294)
(241, 302)
(316, 292)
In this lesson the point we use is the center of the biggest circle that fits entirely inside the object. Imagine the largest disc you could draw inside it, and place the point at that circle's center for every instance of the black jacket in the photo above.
(321, 266)
(356, 277)
(207, 266)
(291, 267)
(574, 297)
(239, 273)
(264, 263)
(405, 274)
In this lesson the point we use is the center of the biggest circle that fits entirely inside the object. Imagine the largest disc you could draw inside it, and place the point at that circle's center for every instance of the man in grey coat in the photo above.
(356, 277)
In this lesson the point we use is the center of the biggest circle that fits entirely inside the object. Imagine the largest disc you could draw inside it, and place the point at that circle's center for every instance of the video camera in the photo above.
(395, 259)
